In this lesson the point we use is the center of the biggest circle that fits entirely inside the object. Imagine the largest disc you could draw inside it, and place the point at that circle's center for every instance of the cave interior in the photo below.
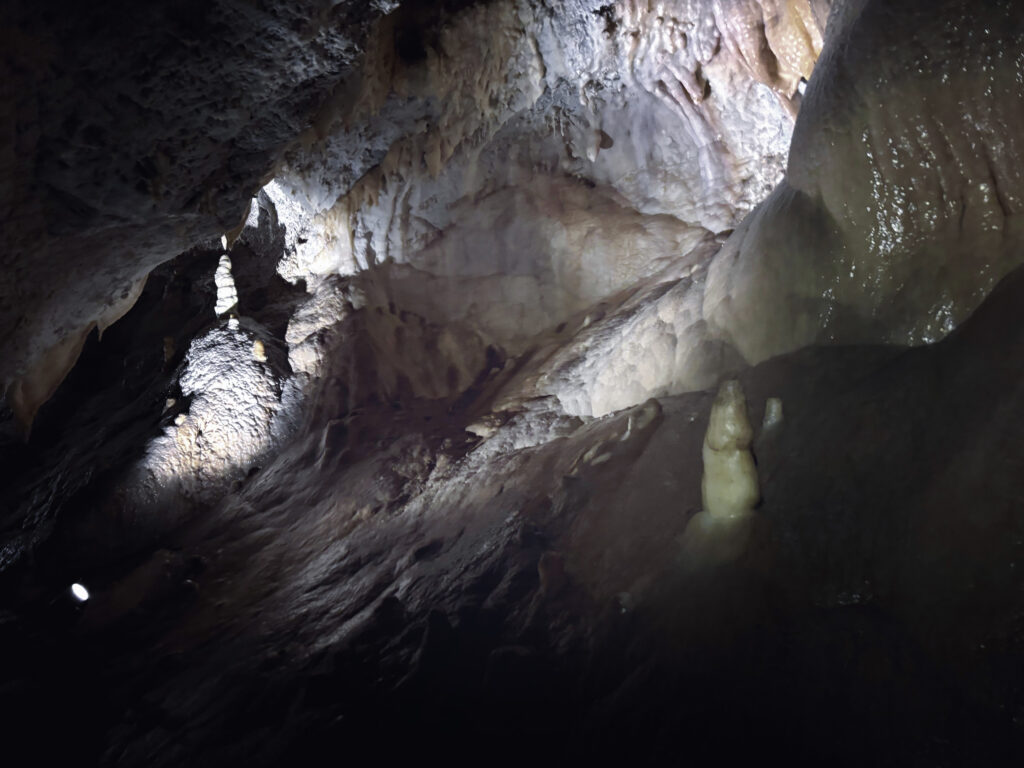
(512, 381)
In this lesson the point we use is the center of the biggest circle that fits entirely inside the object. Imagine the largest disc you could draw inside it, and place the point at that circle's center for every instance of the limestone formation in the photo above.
(399, 433)
(901, 207)
(729, 485)
(227, 295)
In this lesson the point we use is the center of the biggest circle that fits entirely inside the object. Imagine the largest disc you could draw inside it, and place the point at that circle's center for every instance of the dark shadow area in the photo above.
(110, 405)
(875, 619)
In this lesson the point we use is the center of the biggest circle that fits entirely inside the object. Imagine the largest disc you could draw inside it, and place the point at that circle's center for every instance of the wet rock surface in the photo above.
(428, 484)
(901, 205)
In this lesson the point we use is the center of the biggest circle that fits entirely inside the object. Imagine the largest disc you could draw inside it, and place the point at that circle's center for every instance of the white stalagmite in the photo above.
(729, 486)
(719, 534)
(227, 296)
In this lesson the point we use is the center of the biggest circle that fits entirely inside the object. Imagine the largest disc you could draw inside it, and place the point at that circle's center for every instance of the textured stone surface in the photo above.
(135, 132)
(435, 488)
(233, 397)
(540, 160)
(131, 132)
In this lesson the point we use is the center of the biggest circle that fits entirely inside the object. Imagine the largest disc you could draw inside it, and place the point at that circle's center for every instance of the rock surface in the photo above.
(132, 132)
(431, 484)
(903, 196)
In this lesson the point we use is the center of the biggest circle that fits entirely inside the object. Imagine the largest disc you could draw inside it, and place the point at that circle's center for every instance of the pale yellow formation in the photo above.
(779, 41)
(720, 533)
(729, 486)
(795, 38)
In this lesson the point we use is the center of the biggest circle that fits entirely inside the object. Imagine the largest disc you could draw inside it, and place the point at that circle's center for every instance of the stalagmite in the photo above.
(729, 487)
(471, 467)
(259, 351)
(227, 296)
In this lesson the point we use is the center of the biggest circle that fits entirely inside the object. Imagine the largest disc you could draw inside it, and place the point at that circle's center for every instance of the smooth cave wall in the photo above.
(512, 381)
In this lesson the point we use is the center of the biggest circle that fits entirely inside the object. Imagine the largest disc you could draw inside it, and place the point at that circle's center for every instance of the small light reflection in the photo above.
(80, 592)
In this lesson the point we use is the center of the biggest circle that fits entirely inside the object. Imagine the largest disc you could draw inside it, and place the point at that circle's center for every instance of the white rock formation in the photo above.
(719, 533)
(472, 294)
(537, 209)
(729, 485)
(227, 294)
(233, 400)
(554, 160)
(107, 176)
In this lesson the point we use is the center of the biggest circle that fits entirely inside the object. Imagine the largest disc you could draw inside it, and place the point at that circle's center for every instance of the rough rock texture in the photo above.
(677, 115)
(556, 155)
(111, 405)
(892, 225)
(131, 132)
(233, 393)
(433, 486)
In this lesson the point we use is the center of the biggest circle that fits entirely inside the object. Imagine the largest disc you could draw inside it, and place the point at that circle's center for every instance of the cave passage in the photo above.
(512, 382)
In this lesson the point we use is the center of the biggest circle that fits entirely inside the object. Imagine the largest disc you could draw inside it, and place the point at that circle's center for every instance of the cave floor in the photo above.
(393, 589)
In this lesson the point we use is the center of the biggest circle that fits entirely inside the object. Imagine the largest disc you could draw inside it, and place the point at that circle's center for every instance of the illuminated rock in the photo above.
(903, 196)
(729, 485)
(453, 434)
(227, 295)
(234, 399)
(556, 160)
(109, 176)
(719, 533)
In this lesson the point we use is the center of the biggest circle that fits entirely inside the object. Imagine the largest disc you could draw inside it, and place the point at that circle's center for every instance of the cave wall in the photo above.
(542, 160)
(902, 200)
(131, 133)
(437, 472)
(135, 133)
